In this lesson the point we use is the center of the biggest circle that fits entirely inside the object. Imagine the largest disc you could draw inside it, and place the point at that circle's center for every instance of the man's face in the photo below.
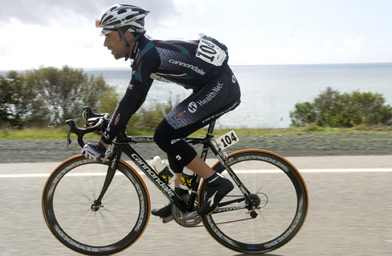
(116, 44)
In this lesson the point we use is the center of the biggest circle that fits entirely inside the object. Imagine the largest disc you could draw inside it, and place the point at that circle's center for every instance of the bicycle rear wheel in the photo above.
(67, 202)
(281, 203)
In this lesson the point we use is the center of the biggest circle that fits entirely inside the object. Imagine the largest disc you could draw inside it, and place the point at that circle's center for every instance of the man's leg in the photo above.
(200, 167)
(217, 187)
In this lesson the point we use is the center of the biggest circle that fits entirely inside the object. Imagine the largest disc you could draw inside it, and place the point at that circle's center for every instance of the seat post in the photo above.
(211, 127)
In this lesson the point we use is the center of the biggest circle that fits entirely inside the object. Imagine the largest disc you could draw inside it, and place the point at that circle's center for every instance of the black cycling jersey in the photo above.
(192, 64)
(188, 63)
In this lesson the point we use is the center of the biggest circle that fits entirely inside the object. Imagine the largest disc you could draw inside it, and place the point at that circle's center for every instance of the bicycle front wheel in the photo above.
(279, 208)
(67, 205)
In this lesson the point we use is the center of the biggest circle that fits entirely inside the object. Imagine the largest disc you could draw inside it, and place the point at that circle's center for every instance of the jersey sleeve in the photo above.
(132, 100)
(136, 93)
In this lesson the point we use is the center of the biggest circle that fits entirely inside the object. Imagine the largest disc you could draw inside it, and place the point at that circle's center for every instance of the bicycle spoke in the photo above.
(105, 228)
(275, 211)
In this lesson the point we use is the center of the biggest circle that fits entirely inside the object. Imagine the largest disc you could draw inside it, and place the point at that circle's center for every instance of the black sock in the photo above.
(213, 179)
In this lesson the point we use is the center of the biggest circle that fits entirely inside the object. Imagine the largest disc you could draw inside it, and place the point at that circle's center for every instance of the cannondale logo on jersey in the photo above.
(187, 65)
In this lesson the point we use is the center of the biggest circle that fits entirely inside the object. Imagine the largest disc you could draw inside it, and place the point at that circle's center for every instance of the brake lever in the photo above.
(69, 141)
(81, 132)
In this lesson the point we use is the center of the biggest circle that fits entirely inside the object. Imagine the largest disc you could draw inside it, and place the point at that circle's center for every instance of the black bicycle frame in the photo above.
(122, 144)
(153, 176)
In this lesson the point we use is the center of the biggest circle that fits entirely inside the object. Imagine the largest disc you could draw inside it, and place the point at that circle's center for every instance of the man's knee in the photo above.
(167, 139)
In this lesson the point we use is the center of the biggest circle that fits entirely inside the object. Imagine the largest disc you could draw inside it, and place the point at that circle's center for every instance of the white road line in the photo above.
(345, 170)
(24, 175)
(367, 170)
(371, 170)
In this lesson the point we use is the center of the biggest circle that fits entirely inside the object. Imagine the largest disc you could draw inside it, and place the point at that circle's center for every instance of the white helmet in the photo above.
(122, 16)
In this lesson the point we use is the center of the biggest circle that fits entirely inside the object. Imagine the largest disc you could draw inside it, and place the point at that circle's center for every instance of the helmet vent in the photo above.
(124, 15)
(107, 18)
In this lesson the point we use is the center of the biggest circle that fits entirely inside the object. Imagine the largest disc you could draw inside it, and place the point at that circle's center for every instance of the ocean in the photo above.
(270, 92)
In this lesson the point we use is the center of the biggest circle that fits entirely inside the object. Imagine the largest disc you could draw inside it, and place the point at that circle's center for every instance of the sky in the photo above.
(54, 33)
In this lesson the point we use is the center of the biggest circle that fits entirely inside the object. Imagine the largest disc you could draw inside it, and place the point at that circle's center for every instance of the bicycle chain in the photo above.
(226, 222)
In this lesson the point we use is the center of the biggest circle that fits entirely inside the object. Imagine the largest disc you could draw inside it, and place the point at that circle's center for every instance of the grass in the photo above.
(61, 132)
(37, 133)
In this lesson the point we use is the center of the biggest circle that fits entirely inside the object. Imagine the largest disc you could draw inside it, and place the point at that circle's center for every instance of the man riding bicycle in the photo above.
(200, 65)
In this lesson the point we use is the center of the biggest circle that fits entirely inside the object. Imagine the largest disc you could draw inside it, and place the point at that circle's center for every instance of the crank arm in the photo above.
(167, 219)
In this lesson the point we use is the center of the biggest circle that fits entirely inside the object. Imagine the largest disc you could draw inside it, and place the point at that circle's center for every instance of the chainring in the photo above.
(181, 219)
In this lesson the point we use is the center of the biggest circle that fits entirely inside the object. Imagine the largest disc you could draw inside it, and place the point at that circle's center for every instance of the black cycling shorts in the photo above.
(219, 96)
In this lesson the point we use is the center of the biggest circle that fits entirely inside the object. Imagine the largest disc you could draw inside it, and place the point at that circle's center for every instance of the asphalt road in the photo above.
(350, 213)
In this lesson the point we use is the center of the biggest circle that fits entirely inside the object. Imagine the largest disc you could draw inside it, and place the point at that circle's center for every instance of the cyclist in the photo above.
(200, 65)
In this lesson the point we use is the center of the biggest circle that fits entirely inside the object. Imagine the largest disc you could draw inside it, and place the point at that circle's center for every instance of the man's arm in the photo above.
(132, 100)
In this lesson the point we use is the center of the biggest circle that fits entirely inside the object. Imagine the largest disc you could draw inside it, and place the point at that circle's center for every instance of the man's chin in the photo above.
(118, 57)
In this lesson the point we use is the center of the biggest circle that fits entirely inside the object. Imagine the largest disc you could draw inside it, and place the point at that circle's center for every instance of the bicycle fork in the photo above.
(112, 167)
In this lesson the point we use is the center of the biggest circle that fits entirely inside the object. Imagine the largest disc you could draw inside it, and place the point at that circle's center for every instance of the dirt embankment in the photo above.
(14, 151)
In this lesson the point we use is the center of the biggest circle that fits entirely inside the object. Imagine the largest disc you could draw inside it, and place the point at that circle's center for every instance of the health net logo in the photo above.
(192, 107)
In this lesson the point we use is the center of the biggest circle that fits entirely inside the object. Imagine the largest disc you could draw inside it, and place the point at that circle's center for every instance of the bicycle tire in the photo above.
(69, 194)
(282, 203)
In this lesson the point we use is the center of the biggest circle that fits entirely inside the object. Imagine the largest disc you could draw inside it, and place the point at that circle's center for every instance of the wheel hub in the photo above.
(96, 206)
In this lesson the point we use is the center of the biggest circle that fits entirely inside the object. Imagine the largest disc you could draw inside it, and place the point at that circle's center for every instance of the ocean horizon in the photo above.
(270, 92)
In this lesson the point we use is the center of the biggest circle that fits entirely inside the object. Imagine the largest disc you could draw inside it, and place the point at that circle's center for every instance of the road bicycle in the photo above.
(101, 207)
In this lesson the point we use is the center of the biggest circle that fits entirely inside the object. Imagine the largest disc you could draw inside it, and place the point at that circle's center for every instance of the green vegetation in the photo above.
(333, 109)
(38, 99)
(49, 96)
(144, 121)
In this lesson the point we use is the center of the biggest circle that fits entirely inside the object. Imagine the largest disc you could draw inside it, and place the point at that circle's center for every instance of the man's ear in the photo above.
(128, 35)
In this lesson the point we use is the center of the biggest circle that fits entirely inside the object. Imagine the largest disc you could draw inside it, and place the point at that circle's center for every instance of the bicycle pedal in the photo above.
(167, 219)
(211, 212)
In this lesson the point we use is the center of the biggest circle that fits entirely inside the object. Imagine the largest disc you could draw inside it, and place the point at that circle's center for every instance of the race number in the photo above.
(227, 140)
(210, 52)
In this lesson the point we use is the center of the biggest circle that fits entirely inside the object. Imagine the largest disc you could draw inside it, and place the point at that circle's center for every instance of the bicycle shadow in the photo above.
(264, 254)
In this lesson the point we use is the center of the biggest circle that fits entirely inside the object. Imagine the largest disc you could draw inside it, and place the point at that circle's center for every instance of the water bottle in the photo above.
(186, 178)
(163, 170)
